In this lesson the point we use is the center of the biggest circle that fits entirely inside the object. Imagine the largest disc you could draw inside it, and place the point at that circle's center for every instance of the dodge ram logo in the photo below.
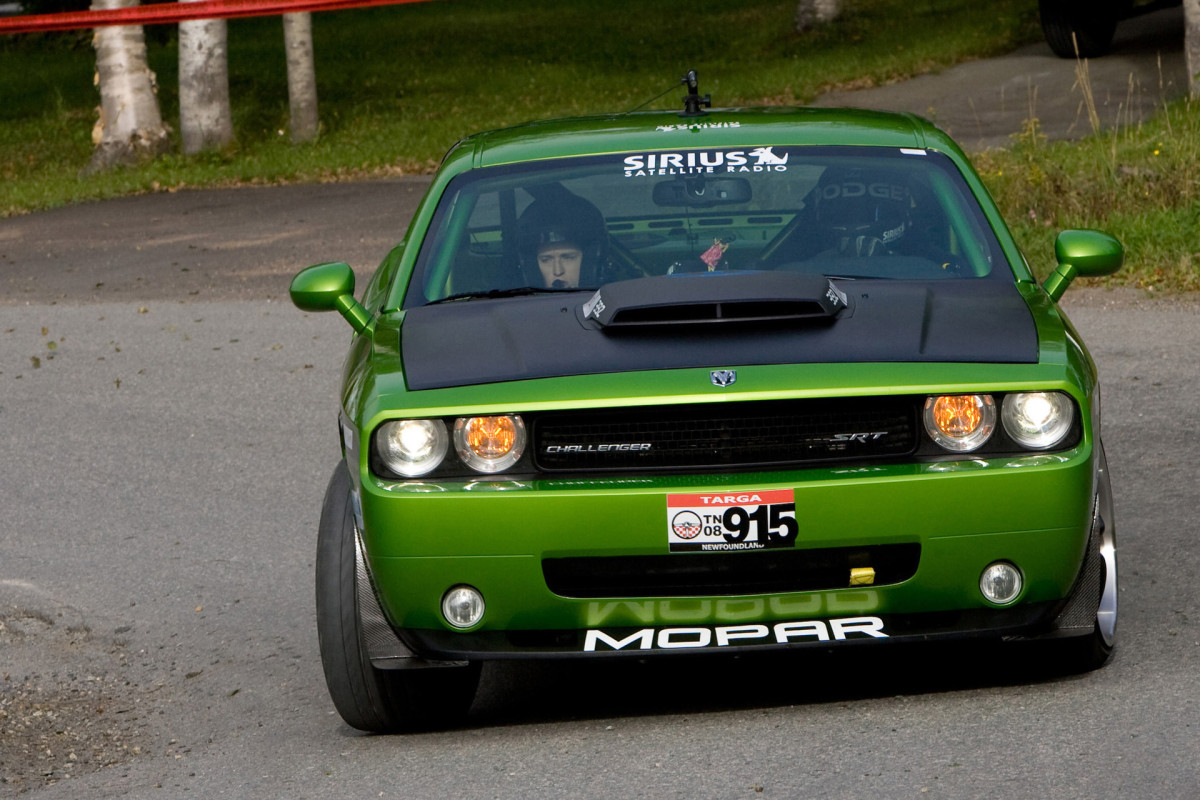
(723, 377)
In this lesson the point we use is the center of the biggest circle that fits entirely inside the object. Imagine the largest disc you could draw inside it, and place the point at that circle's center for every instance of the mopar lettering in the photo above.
(813, 630)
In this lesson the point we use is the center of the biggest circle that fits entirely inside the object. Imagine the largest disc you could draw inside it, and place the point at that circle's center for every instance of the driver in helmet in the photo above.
(562, 242)
(560, 261)
(865, 213)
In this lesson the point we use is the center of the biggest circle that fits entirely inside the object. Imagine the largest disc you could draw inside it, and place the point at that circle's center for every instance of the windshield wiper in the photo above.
(492, 294)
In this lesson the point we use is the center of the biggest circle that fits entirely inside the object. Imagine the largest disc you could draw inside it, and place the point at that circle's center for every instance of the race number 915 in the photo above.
(732, 521)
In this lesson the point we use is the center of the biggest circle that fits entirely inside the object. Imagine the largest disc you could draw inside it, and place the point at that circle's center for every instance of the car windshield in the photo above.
(575, 224)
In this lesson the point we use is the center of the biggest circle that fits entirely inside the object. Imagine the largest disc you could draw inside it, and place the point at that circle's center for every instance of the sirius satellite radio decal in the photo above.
(705, 162)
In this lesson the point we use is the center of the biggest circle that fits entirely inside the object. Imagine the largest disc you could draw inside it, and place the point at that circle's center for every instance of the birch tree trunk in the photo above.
(130, 128)
(205, 121)
(811, 13)
(1191, 39)
(302, 76)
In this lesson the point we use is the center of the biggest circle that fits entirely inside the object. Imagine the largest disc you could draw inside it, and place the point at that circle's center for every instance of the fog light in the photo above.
(1000, 583)
(462, 606)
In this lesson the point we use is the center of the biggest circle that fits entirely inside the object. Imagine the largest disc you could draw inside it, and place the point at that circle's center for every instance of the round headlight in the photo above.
(1037, 420)
(960, 422)
(411, 447)
(1000, 583)
(462, 606)
(489, 444)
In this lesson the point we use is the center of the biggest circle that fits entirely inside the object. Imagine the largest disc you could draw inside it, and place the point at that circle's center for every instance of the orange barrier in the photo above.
(176, 12)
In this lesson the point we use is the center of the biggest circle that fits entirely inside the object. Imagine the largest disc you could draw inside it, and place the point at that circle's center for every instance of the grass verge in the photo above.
(398, 85)
(1140, 183)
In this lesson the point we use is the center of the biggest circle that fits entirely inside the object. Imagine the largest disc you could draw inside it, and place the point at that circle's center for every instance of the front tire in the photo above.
(370, 699)
(1087, 653)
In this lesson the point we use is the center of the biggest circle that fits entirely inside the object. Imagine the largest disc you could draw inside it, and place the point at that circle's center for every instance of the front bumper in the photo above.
(422, 539)
(823, 631)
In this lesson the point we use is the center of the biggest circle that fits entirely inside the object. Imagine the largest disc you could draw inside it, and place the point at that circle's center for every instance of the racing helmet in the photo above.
(865, 212)
(563, 219)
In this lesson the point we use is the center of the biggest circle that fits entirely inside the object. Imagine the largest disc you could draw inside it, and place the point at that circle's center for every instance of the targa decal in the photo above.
(760, 520)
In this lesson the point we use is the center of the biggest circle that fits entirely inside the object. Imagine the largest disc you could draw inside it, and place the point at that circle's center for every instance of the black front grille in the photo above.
(717, 574)
(726, 435)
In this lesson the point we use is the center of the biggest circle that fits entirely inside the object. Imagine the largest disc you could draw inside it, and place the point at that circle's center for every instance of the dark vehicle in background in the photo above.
(1085, 28)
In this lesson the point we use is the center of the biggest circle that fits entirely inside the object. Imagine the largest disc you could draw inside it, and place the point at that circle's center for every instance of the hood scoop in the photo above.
(705, 299)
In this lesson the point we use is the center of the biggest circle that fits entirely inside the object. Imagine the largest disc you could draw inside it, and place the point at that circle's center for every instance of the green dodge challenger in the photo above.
(731, 380)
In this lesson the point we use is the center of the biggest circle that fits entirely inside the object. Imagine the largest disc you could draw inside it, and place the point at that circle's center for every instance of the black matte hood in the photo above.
(541, 336)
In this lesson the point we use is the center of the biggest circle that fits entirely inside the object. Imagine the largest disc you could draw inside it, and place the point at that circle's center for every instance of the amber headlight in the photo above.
(960, 422)
(1037, 420)
(411, 447)
(489, 444)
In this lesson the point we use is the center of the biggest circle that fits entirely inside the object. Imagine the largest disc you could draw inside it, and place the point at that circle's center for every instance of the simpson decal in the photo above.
(733, 521)
(809, 630)
(705, 162)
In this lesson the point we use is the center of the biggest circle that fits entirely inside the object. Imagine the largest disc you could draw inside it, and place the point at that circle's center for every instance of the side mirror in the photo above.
(330, 287)
(1087, 254)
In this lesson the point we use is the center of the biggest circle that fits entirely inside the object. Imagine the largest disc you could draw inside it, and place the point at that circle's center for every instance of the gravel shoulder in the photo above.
(68, 705)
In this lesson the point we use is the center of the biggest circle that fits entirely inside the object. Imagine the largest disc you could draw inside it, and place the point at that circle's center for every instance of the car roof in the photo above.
(720, 128)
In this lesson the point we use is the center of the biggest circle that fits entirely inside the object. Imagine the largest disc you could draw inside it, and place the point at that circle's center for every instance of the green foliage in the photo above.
(398, 85)
(1140, 183)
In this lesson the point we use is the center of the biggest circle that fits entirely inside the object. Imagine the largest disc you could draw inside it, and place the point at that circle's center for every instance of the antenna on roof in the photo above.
(693, 103)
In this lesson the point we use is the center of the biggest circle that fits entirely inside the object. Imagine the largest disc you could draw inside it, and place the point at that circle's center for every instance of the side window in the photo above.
(486, 254)
(930, 235)
(967, 237)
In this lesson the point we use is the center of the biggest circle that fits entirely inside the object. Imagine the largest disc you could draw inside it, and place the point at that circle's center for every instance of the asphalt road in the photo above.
(984, 103)
(164, 472)
(168, 429)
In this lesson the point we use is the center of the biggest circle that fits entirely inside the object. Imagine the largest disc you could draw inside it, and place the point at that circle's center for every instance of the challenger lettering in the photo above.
(622, 447)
